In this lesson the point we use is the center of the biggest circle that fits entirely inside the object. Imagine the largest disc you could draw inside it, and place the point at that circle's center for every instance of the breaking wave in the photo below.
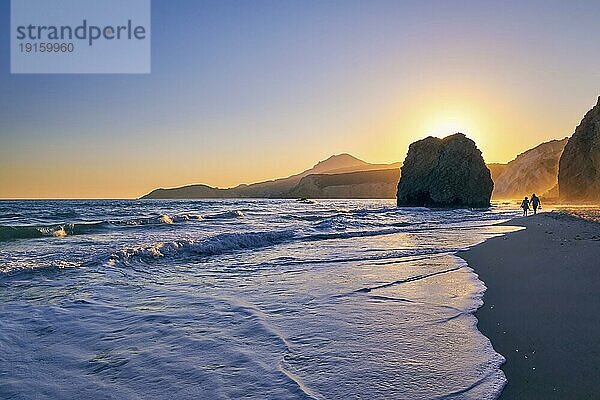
(60, 230)
(228, 242)
(17, 232)
(219, 244)
(225, 215)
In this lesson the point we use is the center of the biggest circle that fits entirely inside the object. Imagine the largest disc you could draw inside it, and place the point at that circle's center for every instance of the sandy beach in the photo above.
(540, 308)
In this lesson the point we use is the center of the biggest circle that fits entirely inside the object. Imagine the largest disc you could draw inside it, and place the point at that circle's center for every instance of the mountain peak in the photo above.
(338, 161)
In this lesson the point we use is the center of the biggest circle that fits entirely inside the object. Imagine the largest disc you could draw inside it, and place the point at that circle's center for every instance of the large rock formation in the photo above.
(579, 170)
(534, 171)
(447, 172)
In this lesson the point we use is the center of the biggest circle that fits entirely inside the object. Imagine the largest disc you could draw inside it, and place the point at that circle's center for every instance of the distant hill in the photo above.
(338, 165)
(534, 171)
(375, 184)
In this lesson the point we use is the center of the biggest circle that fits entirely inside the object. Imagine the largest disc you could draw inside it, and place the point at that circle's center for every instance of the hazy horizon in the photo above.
(304, 169)
(242, 93)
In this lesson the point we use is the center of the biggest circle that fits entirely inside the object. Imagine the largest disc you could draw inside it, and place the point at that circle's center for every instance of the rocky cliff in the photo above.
(448, 172)
(497, 169)
(579, 170)
(378, 184)
(534, 171)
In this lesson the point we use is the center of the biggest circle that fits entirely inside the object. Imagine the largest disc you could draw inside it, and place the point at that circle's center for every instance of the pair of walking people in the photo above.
(534, 202)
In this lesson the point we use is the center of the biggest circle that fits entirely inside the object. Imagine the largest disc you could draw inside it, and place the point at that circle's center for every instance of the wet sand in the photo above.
(542, 306)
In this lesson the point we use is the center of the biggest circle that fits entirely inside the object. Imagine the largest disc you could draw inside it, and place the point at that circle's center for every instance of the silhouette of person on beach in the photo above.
(525, 206)
(535, 203)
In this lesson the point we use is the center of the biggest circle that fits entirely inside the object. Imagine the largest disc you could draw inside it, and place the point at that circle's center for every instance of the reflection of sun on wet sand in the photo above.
(540, 308)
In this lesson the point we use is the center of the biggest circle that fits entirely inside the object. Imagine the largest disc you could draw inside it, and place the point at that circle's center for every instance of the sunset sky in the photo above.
(242, 91)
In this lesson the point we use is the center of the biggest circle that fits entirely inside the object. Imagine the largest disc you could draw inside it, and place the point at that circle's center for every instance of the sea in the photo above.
(252, 299)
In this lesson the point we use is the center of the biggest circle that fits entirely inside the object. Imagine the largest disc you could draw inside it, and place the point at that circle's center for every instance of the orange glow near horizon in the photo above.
(502, 128)
(280, 87)
(387, 141)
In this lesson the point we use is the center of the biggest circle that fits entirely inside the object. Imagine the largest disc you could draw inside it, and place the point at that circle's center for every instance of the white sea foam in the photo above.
(260, 298)
(215, 245)
(225, 215)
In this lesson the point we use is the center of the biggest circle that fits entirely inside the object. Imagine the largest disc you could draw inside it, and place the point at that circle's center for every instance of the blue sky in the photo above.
(247, 90)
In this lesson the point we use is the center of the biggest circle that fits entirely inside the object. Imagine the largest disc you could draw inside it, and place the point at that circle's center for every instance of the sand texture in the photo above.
(542, 306)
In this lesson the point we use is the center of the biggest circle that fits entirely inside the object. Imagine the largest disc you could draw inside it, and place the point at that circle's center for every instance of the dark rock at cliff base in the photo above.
(579, 169)
(448, 172)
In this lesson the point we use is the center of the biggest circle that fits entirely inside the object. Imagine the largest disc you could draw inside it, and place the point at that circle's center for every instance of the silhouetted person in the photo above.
(525, 206)
(535, 203)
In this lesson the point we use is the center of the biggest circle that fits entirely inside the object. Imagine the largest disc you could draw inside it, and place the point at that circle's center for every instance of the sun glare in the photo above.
(448, 126)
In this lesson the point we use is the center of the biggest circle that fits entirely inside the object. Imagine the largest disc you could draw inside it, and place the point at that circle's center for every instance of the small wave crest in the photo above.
(180, 218)
(158, 220)
(17, 232)
(225, 215)
(8, 233)
(13, 268)
(167, 219)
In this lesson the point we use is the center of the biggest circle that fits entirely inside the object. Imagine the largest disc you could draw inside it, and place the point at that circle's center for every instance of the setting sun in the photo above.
(445, 127)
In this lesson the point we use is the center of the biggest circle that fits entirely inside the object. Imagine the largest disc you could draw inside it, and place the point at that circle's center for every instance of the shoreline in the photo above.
(540, 306)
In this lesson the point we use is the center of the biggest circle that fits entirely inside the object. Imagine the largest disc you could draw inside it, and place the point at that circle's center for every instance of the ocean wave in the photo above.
(17, 232)
(393, 257)
(307, 216)
(352, 234)
(386, 210)
(225, 215)
(8, 233)
(14, 268)
(59, 230)
(167, 219)
(341, 223)
(10, 215)
(228, 242)
(65, 214)
(370, 210)
(163, 219)
(334, 223)
(215, 245)
(179, 218)
(340, 212)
